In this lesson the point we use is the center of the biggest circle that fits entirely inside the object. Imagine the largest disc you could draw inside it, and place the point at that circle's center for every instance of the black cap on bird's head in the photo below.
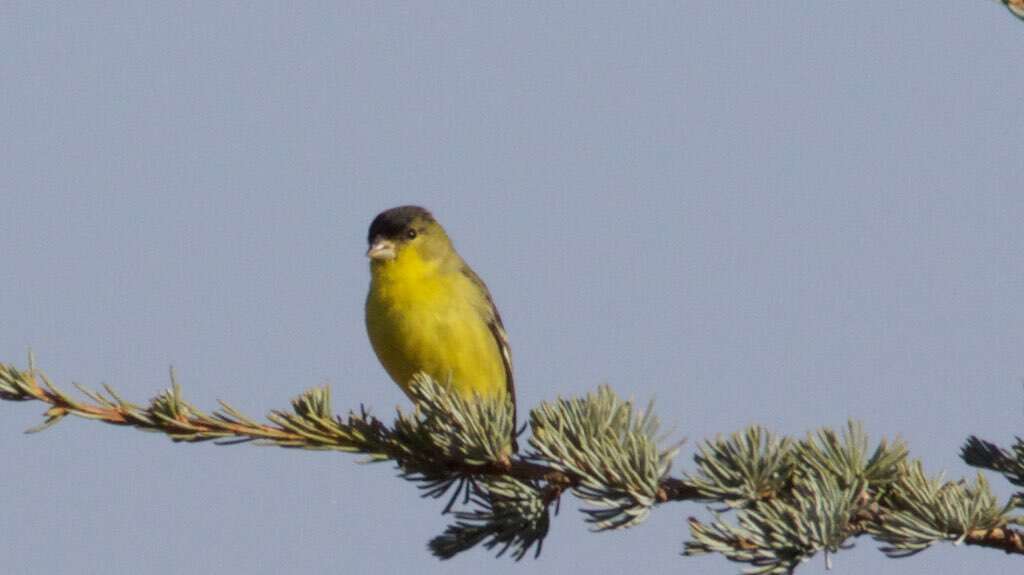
(394, 227)
(393, 223)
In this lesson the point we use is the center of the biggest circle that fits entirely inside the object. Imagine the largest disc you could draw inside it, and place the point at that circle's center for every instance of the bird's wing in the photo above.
(493, 319)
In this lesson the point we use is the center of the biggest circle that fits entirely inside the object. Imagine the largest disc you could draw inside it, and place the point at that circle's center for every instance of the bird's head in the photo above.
(406, 230)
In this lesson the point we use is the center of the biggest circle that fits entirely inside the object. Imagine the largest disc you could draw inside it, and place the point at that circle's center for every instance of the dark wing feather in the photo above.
(501, 338)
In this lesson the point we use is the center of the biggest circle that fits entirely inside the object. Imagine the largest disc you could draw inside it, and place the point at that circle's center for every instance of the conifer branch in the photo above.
(1016, 7)
(986, 455)
(923, 511)
(792, 499)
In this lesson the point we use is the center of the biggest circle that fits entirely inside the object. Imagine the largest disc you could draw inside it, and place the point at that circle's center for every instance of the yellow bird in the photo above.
(428, 311)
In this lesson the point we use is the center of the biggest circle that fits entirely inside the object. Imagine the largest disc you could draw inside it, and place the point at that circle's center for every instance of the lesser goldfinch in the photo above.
(427, 310)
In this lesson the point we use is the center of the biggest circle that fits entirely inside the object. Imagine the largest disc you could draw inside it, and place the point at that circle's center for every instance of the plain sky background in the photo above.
(786, 213)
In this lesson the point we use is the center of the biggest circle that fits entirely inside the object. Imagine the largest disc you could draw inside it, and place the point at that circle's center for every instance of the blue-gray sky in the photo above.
(781, 213)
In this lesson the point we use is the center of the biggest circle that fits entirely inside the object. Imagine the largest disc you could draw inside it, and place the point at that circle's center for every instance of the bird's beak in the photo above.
(381, 249)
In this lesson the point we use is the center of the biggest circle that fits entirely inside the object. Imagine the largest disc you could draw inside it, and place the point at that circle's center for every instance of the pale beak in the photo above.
(381, 249)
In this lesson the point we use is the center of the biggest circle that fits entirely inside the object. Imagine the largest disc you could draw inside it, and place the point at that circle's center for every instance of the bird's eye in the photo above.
(411, 234)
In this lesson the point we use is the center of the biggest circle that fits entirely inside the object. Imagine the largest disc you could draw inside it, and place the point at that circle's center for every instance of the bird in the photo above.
(428, 312)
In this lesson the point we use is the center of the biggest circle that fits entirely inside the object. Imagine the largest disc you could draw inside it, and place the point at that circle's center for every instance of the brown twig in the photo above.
(186, 425)
(1004, 538)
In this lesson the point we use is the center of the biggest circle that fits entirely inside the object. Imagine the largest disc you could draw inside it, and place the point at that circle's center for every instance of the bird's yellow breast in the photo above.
(421, 316)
